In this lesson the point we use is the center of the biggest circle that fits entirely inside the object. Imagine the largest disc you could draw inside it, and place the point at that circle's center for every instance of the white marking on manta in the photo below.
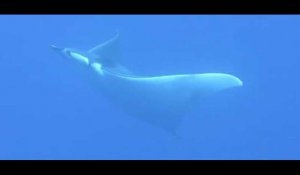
(80, 57)
(97, 67)
(160, 100)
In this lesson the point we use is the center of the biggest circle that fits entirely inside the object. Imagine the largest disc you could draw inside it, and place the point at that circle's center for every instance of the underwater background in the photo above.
(49, 111)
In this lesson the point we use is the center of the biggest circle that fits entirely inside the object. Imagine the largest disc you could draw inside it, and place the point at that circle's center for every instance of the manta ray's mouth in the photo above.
(55, 47)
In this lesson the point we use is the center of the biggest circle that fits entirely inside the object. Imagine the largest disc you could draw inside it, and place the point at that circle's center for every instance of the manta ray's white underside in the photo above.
(162, 100)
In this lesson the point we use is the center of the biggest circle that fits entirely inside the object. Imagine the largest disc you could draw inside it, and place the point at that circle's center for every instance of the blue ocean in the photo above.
(51, 110)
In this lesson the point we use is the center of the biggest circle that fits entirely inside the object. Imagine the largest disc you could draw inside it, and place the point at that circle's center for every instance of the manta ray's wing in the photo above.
(107, 50)
(163, 100)
(109, 55)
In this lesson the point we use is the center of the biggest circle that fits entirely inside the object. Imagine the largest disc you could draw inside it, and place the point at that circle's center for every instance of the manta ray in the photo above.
(160, 100)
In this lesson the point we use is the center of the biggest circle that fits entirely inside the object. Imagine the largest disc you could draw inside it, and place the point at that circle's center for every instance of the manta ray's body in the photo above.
(160, 100)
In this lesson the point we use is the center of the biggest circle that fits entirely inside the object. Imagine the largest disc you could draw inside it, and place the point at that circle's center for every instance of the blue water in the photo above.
(48, 110)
